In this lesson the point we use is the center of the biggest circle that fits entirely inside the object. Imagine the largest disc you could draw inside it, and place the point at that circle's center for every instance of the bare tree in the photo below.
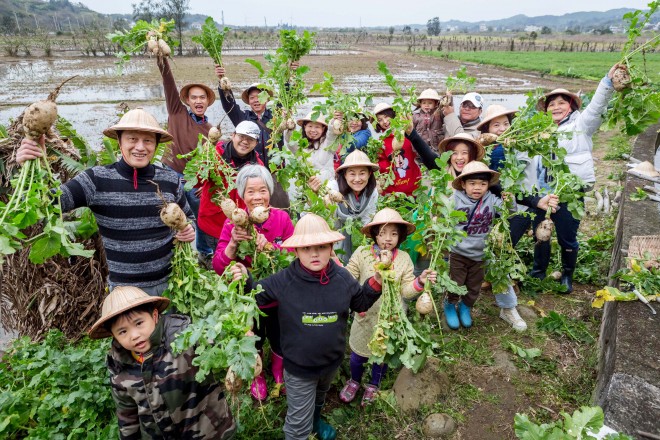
(177, 10)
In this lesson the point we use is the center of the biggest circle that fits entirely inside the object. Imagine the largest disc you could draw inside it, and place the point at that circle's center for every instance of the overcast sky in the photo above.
(353, 13)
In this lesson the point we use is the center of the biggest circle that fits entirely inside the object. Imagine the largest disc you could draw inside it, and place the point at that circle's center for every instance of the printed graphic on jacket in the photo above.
(316, 319)
(480, 222)
(401, 164)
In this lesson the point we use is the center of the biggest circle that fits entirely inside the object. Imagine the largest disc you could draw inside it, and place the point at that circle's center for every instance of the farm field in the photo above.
(586, 65)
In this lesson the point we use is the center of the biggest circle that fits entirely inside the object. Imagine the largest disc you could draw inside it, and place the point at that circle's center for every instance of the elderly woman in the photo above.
(255, 187)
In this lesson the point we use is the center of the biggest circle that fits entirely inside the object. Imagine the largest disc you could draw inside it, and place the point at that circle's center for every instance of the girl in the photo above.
(388, 230)
(579, 127)
(465, 149)
(360, 135)
(357, 184)
(427, 120)
(402, 162)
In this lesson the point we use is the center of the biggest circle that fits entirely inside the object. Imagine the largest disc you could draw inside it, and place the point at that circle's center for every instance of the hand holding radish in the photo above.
(186, 235)
(428, 275)
(314, 183)
(449, 106)
(378, 278)
(238, 271)
(614, 68)
(30, 150)
(219, 71)
(240, 234)
(549, 201)
(261, 242)
(294, 65)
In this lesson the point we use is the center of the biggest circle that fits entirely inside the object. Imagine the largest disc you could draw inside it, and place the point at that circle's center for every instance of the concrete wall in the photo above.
(628, 386)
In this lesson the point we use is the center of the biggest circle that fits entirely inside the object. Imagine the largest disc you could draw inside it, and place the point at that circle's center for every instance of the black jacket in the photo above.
(313, 316)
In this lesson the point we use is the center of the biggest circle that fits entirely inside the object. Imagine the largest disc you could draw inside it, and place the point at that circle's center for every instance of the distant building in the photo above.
(531, 28)
(483, 27)
(196, 26)
(617, 29)
(452, 29)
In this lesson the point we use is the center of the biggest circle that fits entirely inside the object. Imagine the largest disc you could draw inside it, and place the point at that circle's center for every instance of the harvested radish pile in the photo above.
(40, 277)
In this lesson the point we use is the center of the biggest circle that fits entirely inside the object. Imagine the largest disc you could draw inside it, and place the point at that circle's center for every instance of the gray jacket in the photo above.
(482, 213)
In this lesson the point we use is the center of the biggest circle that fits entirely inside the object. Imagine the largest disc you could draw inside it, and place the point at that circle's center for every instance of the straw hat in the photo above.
(308, 118)
(540, 105)
(429, 94)
(311, 230)
(387, 216)
(494, 111)
(381, 106)
(183, 94)
(466, 138)
(357, 159)
(138, 120)
(120, 300)
(255, 86)
(476, 167)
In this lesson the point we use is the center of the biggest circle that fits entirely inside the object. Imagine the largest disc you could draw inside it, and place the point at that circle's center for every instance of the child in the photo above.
(388, 230)
(471, 195)
(465, 149)
(320, 140)
(315, 296)
(427, 119)
(155, 390)
(357, 184)
(360, 135)
(407, 173)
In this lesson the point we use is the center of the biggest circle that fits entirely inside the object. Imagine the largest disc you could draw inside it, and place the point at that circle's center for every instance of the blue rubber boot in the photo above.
(322, 430)
(450, 315)
(464, 315)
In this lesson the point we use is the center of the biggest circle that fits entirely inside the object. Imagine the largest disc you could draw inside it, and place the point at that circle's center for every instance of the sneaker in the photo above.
(259, 389)
(369, 395)
(464, 314)
(513, 317)
(450, 315)
(347, 394)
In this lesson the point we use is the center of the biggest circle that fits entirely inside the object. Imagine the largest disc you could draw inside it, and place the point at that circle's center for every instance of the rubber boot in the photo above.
(277, 367)
(451, 316)
(321, 429)
(464, 314)
(541, 259)
(568, 262)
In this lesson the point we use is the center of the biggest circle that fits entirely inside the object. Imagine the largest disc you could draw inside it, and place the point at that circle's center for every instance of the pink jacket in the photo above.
(276, 229)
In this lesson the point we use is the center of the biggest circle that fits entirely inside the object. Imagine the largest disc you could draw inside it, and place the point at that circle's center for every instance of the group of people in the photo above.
(308, 305)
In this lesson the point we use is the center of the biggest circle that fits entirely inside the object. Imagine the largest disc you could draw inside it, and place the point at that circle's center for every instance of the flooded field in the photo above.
(90, 101)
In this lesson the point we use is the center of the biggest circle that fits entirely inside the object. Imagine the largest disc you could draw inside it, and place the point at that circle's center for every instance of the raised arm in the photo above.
(428, 156)
(172, 99)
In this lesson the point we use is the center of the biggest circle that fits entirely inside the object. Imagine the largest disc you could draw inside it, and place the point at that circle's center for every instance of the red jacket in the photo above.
(406, 172)
(211, 218)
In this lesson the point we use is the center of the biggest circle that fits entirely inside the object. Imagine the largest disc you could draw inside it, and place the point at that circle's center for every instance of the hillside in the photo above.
(53, 15)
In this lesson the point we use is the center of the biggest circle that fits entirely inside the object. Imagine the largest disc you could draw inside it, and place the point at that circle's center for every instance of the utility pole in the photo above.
(265, 23)
(223, 18)
(18, 26)
(70, 28)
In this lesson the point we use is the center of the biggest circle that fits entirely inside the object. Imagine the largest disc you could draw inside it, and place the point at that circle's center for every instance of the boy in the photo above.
(315, 297)
(155, 391)
(466, 268)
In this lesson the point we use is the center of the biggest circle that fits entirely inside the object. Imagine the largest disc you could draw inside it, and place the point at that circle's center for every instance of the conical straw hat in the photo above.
(646, 168)
(120, 300)
(311, 230)
(475, 167)
(429, 94)
(540, 105)
(387, 216)
(463, 137)
(246, 93)
(357, 159)
(137, 120)
(183, 94)
(308, 118)
(494, 111)
(381, 106)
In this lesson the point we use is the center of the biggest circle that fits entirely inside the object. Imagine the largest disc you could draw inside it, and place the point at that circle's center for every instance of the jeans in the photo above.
(193, 201)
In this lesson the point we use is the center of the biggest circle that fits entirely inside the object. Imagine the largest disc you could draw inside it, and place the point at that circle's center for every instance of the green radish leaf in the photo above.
(44, 248)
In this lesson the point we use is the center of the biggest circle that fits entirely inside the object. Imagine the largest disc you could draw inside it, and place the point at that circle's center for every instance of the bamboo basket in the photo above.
(643, 246)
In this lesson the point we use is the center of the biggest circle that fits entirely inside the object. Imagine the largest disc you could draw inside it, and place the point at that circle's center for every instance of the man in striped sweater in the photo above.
(125, 201)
